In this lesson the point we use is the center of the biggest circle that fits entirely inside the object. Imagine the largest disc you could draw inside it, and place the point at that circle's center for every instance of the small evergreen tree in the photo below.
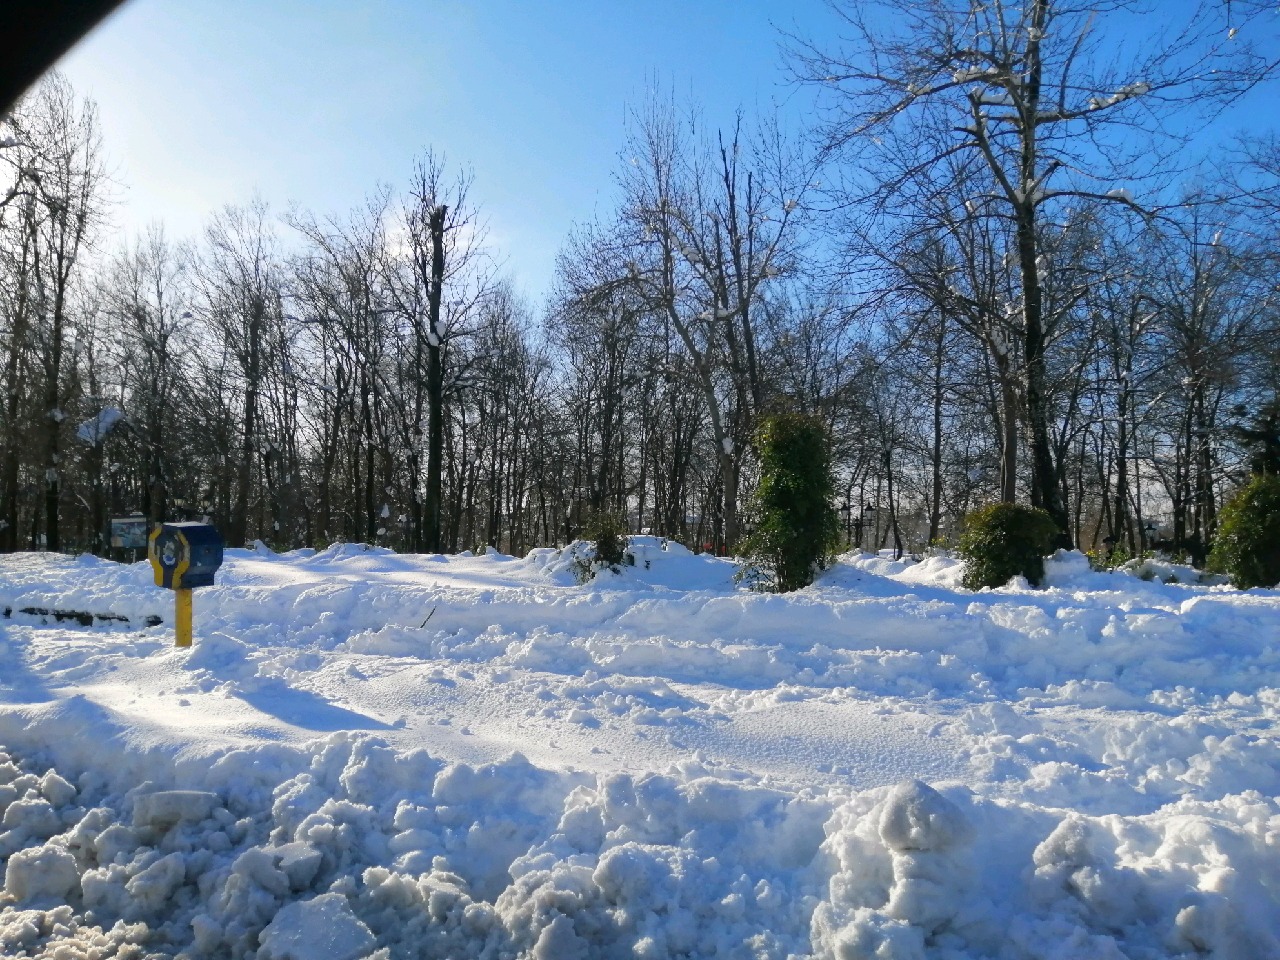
(797, 528)
(607, 532)
(1247, 545)
(1005, 540)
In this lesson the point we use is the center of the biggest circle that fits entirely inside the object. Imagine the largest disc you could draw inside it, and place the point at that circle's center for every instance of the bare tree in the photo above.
(341, 291)
(1054, 107)
(60, 158)
(147, 298)
(438, 284)
(18, 304)
(1216, 311)
(239, 276)
(706, 226)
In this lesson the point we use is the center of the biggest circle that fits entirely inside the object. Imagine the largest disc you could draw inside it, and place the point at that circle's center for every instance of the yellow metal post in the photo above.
(182, 618)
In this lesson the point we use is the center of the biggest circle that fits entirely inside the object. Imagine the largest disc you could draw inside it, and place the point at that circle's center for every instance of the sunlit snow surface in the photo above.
(374, 755)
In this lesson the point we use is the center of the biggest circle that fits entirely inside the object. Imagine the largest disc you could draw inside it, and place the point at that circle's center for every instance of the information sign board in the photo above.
(129, 532)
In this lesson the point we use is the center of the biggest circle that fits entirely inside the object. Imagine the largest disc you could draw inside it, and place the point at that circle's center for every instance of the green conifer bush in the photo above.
(1004, 540)
(607, 533)
(797, 529)
(1247, 544)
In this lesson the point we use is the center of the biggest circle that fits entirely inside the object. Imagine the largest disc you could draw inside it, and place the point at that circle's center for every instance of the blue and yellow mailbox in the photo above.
(184, 556)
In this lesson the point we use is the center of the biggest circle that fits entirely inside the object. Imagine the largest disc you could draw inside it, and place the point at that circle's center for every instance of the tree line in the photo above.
(989, 267)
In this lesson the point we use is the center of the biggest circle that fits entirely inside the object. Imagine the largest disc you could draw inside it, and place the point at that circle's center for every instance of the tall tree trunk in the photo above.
(935, 458)
(53, 438)
(893, 505)
(157, 492)
(1204, 501)
(1122, 530)
(730, 471)
(12, 444)
(1009, 433)
(435, 387)
(1045, 490)
(238, 527)
(369, 478)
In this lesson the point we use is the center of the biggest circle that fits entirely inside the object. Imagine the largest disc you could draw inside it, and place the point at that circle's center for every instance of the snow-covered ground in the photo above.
(374, 755)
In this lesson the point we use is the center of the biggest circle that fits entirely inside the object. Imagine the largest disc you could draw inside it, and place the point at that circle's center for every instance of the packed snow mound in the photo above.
(322, 928)
(647, 561)
(1151, 568)
(368, 754)
(371, 850)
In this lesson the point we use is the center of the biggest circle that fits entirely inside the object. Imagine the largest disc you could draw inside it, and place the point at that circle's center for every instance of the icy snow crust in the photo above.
(375, 755)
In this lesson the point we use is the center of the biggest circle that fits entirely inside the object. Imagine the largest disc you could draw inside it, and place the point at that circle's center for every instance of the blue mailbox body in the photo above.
(185, 555)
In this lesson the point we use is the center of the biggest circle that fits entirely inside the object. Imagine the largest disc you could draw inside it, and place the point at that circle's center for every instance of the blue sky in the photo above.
(204, 102)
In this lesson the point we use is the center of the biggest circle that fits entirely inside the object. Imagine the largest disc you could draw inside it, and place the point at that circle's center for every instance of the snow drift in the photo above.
(373, 755)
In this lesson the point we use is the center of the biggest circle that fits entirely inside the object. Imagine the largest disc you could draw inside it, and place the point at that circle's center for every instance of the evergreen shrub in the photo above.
(607, 533)
(797, 529)
(1247, 545)
(1005, 540)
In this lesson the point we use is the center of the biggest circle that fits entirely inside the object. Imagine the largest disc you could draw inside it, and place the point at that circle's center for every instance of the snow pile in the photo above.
(648, 561)
(322, 928)
(1151, 568)
(373, 755)
(919, 874)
